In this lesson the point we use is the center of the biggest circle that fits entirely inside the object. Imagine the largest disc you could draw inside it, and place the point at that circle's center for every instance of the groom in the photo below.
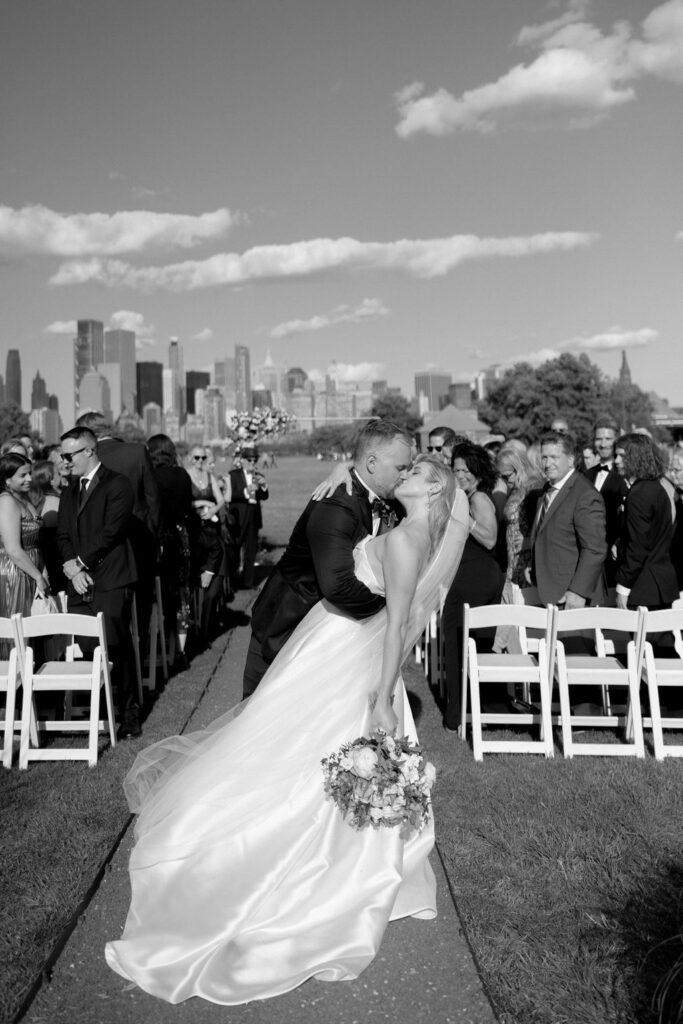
(318, 561)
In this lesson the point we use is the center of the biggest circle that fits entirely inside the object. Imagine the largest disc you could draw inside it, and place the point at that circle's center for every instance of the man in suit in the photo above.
(248, 488)
(613, 488)
(93, 526)
(132, 461)
(568, 534)
(318, 562)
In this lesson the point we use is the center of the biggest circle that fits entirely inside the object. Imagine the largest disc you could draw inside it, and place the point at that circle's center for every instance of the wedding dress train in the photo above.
(246, 881)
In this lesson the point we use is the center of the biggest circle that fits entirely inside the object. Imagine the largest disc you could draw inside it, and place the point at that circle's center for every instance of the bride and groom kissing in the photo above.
(246, 881)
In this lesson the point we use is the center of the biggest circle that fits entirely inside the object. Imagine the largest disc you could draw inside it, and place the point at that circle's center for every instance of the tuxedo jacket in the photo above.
(569, 546)
(133, 461)
(645, 564)
(613, 491)
(318, 563)
(97, 533)
(240, 504)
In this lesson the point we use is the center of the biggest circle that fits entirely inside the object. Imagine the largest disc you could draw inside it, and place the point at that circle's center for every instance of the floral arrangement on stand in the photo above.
(249, 428)
(380, 781)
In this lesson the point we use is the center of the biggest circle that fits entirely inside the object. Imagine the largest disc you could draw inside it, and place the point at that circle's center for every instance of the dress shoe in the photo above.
(130, 729)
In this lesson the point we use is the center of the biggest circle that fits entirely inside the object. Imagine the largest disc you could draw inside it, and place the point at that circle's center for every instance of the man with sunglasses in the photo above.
(93, 525)
(442, 441)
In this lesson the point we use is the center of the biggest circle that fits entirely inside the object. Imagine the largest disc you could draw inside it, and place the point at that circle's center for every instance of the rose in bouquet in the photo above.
(380, 781)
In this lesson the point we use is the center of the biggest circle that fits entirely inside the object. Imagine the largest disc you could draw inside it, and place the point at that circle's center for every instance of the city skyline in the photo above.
(401, 189)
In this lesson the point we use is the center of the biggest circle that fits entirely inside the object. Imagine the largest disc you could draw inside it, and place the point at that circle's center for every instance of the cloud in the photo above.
(61, 327)
(369, 309)
(541, 355)
(580, 75)
(613, 337)
(349, 373)
(420, 258)
(205, 335)
(38, 231)
(128, 320)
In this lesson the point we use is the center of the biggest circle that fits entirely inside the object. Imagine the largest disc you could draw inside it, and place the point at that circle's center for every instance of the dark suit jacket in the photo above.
(98, 533)
(645, 552)
(569, 547)
(318, 563)
(133, 461)
(613, 491)
(240, 506)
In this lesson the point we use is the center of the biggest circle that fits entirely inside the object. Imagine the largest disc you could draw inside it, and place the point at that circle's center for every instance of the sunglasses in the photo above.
(199, 458)
(434, 447)
(68, 457)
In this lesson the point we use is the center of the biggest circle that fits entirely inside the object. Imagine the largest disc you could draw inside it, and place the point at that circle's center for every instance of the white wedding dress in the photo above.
(246, 880)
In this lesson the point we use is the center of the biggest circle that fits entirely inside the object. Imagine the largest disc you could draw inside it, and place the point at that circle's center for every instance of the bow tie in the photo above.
(380, 508)
(604, 467)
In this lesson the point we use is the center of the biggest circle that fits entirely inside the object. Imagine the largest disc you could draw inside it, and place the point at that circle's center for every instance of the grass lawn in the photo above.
(567, 874)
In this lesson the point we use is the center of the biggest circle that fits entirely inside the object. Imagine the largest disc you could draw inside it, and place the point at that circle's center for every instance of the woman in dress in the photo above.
(521, 479)
(178, 529)
(479, 579)
(208, 503)
(645, 573)
(246, 880)
(21, 562)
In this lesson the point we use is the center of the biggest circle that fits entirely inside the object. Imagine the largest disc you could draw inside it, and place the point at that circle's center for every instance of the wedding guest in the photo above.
(21, 561)
(178, 531)
(208, 503)
(645, 574)
(248, 488)
(521, 479)
(45, 499)
(479, 579)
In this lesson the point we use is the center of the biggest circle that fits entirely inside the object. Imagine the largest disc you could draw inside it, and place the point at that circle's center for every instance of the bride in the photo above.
(246, 881)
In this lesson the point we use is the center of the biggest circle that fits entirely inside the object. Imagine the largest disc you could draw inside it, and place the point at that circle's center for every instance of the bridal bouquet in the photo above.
(380, 781)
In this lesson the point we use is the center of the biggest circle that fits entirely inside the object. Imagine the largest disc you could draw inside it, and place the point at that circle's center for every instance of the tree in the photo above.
(13, 422)
(630, 406)
(397, 409)
(527, 399)
(335, 437)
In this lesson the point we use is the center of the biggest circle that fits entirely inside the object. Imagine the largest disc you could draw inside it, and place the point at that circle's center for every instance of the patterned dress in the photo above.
(17, 588)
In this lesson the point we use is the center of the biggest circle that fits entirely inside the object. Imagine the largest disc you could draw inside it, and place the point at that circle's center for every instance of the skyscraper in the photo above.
(195, 380)
(38, 393)
(13, 377)
(3, 396)
(119, 347)
(88, 346)
(174, 381)
(432, 389)
(243, 401)
(149, 385)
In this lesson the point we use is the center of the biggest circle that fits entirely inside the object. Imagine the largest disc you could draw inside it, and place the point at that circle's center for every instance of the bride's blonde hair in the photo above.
(440, 504)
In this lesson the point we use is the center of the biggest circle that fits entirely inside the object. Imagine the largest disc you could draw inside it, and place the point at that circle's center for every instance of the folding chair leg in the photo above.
(27, 711)
(136, 648)
(8, 738)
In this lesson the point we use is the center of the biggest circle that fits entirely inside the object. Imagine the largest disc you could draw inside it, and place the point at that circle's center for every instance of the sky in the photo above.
(392, 186)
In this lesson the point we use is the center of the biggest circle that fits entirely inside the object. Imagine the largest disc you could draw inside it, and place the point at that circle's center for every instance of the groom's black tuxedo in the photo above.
(318, 563)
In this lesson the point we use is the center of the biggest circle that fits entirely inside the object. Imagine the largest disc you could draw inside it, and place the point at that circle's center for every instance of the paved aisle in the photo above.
(424, 970)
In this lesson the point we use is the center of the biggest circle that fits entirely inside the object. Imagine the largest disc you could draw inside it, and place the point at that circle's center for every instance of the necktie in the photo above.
(379, 508)
(545, 505)
(82, 493)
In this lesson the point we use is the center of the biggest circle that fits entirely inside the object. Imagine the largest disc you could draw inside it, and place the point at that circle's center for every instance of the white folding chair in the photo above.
(527, 668)
(606, 667)
(135, 633)
(66, 677)
(9, 683)
(664, 673)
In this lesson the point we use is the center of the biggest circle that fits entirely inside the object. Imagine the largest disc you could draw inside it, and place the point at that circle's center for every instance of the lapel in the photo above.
(363, 501)
(556, 503)
(89, 493)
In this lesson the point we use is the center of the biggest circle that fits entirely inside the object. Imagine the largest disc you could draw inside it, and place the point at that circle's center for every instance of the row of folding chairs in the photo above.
(68, 675)
(559, 652)
(66, 672)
